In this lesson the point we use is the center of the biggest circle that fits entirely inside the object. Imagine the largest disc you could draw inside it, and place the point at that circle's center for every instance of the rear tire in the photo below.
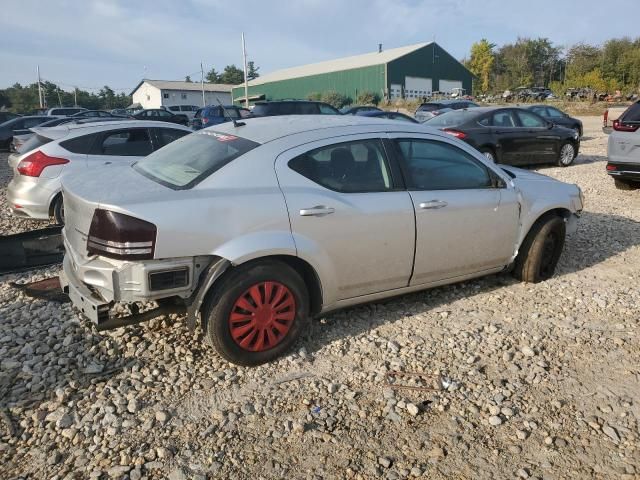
(625, 184)
(489, 154)
(257, 312)
(541, 250)
(58, 211)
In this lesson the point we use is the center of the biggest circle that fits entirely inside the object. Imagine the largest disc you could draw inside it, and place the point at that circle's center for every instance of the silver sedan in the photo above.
(253, 228)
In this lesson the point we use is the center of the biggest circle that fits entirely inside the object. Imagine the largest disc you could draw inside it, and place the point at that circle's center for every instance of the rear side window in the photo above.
(452, 118)
(433, 165)
(80, 144)
(189, 160)
(632, 114)
(128, 143)
(167, 135)
(552, 112)
(352, 167)
(540, 111)
(174, 108)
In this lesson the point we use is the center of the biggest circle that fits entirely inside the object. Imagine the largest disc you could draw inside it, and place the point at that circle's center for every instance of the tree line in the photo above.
(231, 75)
(612, 66)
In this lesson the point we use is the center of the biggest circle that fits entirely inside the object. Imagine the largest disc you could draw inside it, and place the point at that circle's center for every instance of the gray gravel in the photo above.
(524, 381)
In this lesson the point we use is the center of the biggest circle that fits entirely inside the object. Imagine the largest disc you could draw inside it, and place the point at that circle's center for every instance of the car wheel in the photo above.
(489, 154)
(257, 312)
(58, 210)
(567, 155)
(540, 251)
(625, 184)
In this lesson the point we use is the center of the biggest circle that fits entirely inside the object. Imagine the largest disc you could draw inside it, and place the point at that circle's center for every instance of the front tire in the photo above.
(567, 154)
(625, 184)
(257, 312)
(541, 250)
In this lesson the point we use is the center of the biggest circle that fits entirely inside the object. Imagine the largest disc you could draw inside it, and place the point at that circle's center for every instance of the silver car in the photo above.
(53, 153)
(251, 229)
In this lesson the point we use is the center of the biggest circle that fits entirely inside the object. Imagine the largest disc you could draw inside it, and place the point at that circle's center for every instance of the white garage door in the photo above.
(448, 85)
(417, 87)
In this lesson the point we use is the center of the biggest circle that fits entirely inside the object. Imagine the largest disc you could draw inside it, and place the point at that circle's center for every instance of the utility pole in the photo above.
(75, 96)
(204, 104)
(59, 99)
(246, 78)
(39, 87)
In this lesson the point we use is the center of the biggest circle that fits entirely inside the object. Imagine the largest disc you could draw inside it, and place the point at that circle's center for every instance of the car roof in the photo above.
(75, 129)
(267, 129)
(447, 102)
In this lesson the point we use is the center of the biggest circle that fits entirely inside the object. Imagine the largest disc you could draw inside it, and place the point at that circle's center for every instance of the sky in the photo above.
(91, 43)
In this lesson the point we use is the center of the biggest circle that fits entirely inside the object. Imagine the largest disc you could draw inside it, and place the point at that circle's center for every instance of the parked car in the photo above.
(93, 114)
(5, 116)
(432, 109)
(552, 114)
(21, 137)
(67, 150)
(611, 114)
(161, 115)
(389, 116)
(358, 109)
(511, 135)
(292, 107)
(8, 128)
(623, 149)
(215, 114)
(187, 110)
(237, 226)
(65, 111)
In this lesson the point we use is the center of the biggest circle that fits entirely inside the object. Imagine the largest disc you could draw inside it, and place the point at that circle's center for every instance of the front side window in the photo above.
(192, 158)
(163, 113)
(351, 167)
(435, 165)
(540, 110)
(127, 143)
(529, 120)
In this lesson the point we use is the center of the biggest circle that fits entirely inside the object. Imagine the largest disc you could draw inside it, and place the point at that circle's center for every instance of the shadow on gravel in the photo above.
(599, 237)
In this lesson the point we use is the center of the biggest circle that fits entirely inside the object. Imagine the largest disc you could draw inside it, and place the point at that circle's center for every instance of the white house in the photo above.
(164, 93)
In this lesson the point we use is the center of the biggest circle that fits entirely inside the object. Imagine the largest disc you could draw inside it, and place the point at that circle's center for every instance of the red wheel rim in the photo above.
(262, 316)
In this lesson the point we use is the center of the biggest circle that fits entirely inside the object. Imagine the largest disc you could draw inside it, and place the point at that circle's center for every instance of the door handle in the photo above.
(317, 211)
(433, 204)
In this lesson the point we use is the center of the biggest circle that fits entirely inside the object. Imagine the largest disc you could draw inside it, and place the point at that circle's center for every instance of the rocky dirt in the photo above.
(523, 381)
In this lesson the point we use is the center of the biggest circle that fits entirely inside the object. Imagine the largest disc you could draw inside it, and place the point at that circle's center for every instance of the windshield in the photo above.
(189, 160)
(449, 119)
(428, 107)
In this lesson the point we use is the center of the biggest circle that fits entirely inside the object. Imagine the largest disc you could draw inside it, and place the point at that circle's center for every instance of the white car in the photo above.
(255, 227)
(55, 152)
(623, 149)
(187, 110)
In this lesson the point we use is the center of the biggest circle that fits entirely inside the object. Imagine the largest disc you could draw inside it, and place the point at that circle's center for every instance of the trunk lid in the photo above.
(84, 193)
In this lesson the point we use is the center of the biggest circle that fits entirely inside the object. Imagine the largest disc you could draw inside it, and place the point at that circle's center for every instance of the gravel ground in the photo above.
(525, 381)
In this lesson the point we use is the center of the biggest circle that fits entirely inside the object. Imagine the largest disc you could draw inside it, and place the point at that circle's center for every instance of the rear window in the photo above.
(632, 114)
(429, 107)
(81, 144)
(190, 159)
(261, 109)
(35, 141)
(450, 119)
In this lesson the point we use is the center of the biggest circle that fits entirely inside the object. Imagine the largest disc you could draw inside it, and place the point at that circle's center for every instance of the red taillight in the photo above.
(622, 127)
(435, 113)
(205, 120)
(455, 133)
(611, 167)
(34, 164)
(116, 235)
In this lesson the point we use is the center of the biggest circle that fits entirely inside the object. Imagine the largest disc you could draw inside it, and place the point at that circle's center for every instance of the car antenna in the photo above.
(235, 122)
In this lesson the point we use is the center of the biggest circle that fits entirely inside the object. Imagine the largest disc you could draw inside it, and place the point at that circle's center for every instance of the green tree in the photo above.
(252, 70)
(108, 97)
(187, 79)
(581, 59)
(336, 99)
(212, 76)
(481, 63)
(368, 98)
(231, 75)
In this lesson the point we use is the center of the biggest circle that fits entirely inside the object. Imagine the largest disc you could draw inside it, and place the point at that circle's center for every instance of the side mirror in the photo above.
(550, 125)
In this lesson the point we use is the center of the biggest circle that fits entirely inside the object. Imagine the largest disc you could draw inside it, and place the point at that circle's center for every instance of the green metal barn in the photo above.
(410, 72)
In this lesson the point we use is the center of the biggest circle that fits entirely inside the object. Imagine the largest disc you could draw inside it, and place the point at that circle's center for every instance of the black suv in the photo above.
(292, 107)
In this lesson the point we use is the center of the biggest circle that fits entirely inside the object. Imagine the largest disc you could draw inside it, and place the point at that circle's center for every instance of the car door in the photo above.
(466, 214)
(124, 145)
(541, 143)
(349, 214)
(511, 140)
